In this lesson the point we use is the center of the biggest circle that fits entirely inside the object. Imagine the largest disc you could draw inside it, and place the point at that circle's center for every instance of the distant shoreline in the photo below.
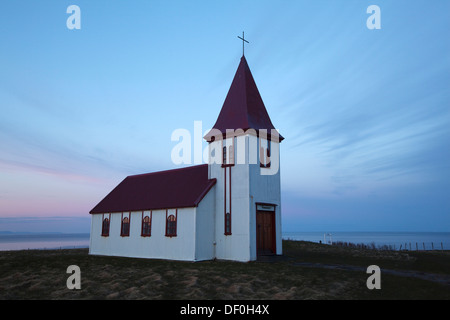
(10, 240)
(37, 232)
(396, 240)
(31, 241)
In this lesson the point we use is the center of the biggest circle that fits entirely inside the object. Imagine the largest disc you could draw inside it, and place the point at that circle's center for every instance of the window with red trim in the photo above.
(227, 153)
(227, 223)
(171, 226)
(146, 227)
(125, 227)
(224, 154)
(105, 227)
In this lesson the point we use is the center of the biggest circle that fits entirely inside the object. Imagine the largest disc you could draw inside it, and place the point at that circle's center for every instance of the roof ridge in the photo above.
(165, 171)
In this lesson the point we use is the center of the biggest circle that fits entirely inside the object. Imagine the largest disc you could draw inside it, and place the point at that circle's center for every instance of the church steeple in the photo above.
(243, 107)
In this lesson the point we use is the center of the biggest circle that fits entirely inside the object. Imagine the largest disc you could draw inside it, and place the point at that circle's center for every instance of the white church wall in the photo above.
(158, 245)
(250, 185)
(98, 244)
(235, 246)
(204, 228)
(265, 188)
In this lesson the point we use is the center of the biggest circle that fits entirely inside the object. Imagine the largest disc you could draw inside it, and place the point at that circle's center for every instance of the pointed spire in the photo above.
(243, 107)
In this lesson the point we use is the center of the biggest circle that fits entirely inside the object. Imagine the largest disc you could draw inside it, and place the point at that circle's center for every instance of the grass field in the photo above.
(305, 271)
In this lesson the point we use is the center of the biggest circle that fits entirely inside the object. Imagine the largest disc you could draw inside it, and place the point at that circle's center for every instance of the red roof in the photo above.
(178, 188)
(243, 107)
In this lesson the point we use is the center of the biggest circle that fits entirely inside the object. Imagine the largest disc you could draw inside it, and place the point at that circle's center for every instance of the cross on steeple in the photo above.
(243, 42)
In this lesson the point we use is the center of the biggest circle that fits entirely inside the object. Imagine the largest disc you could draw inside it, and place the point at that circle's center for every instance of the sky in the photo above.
(365, 113)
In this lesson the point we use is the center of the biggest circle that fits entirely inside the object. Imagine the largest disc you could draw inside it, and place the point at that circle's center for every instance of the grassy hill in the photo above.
(305, 271)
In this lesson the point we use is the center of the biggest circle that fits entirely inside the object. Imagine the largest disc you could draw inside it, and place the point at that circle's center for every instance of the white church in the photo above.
(227, 209)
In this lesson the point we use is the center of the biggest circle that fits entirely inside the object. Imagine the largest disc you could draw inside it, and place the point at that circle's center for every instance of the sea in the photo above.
(392, 240)
(26, 241)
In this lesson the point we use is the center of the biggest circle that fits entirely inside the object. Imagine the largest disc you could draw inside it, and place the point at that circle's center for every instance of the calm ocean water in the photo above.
(43, 241)
(427, 240)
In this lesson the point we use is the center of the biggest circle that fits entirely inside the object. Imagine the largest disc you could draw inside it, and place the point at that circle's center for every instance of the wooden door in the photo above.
(265, 232)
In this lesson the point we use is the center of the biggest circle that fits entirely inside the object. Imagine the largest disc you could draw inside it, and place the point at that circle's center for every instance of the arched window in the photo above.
(227, 223)
(105, 227)
(228, 152)
(146, 226)
(125, 229)
(171, 226)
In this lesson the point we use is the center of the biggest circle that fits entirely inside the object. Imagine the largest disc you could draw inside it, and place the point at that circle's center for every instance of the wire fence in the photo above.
(407, 246)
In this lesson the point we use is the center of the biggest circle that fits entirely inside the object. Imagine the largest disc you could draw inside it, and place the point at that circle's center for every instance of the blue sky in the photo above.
(365, 113)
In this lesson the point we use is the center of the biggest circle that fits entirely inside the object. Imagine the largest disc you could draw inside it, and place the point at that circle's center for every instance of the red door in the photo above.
(265, 232)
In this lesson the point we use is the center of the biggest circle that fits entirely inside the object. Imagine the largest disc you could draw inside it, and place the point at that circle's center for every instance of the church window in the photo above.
(228, 152)
(125, 227)
(231, 153)
(224, 160)
(227, 223)
(146, 225)
(105, 226)
(265, 153)
(171, 225)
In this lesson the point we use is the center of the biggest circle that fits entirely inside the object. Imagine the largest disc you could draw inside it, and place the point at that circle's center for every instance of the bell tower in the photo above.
(244, 157)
